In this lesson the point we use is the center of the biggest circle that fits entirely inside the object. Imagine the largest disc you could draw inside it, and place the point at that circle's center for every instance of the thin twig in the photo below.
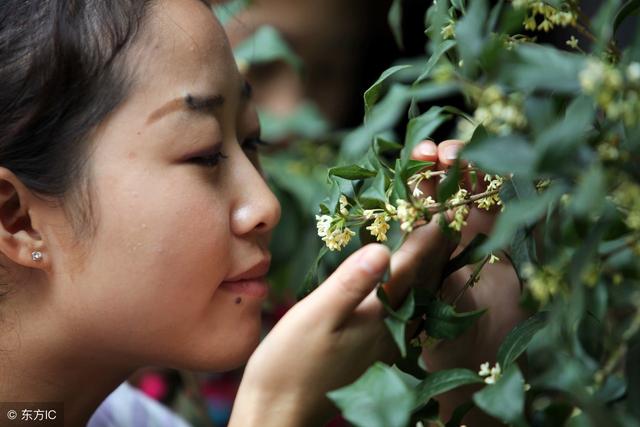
(620, 351)
(475, 197)
(472, 279)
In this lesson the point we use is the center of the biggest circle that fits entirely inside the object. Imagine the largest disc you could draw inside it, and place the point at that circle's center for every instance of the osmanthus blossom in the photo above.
(490, 374)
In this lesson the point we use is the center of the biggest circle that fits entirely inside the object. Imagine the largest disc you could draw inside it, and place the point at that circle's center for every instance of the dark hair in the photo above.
(62, 71)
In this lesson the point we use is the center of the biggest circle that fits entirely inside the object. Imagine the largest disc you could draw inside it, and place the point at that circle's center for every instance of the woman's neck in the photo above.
(38, 363)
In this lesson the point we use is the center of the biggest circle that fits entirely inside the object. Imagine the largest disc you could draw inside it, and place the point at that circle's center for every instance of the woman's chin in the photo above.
(226, 356)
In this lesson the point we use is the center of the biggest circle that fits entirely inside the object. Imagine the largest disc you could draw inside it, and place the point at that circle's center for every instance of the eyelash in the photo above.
(213, 160)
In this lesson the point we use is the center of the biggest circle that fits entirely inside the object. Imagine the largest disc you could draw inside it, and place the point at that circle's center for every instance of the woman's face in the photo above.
(180, 208)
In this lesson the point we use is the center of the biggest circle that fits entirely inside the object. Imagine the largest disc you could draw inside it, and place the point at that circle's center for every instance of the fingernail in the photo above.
(451, 152)
(374, 261)
(427, 149)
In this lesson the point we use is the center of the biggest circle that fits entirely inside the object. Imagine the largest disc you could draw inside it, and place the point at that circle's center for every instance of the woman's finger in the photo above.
(419, 262)
(426, 151)
(448, 152)
(335, 300)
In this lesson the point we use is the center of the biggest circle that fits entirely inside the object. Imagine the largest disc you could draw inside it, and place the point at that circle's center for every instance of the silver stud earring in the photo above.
(36, 256)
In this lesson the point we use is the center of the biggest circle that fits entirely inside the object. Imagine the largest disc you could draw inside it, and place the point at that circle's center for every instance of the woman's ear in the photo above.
(19, 241)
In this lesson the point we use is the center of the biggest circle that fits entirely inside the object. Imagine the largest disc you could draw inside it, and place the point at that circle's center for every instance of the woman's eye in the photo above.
(210, 160)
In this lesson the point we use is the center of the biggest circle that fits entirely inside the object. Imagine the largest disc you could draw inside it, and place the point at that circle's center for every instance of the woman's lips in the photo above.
(257, 287)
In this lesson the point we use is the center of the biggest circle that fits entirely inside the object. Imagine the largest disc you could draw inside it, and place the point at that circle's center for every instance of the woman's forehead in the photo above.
(186, 32)
(185, 50)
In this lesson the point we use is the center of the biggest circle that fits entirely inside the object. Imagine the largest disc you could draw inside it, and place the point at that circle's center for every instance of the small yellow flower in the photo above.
(449, 30)
(323, 222)
(380, 227)
(573, 42)
(407, 215)
(530, 23)
(545, 26)
(338, 238)
(493, 259)
(343, 205)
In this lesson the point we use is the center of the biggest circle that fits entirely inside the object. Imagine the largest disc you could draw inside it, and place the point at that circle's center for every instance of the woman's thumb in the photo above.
(352, 281)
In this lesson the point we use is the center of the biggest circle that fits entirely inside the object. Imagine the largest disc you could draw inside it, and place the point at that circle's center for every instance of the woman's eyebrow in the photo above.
(200, 104)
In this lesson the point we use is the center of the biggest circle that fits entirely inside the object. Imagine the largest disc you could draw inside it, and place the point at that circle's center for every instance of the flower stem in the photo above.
(475, 197)
(475, 275)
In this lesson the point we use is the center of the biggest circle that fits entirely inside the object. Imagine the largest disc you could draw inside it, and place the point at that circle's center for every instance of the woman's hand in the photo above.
(331, 337)
(498, 290)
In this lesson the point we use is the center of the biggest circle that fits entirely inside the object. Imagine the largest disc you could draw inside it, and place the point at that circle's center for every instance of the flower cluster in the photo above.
(615, 92)
(543, 17)
(627, 197)
(380, 225)
(494, 184)
(491, 374)
(449, 30)
(499, 113)
(407, 214)
(417, 179)
(461, 212)
(333, 230)
(543, 282)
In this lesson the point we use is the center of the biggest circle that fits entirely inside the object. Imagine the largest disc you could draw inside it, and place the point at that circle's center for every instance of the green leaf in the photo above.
(440, 382)
(556, 145)
(229, 10)
(395, 22)
(500, 154)
(588, 197)
(469, 255)
(352, 172)
(534, 63)
(413, 363)
(404, 312)
(450, 185)
(441, 49)
(379, 398)
(415, 166)
(383, 146)
(504, 399)
(429, 91)
(397, 321)
(419, 129)
(399, 186)
(519, 214)
(266, 45)
(372, 94)
(516, 342)
(458, 4)
(470, 33)
(495, 15)
(629, 8)
(443, 322)
(377, 189)
(310, 281)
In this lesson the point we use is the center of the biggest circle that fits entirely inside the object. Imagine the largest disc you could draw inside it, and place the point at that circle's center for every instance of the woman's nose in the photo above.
(256, 208)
